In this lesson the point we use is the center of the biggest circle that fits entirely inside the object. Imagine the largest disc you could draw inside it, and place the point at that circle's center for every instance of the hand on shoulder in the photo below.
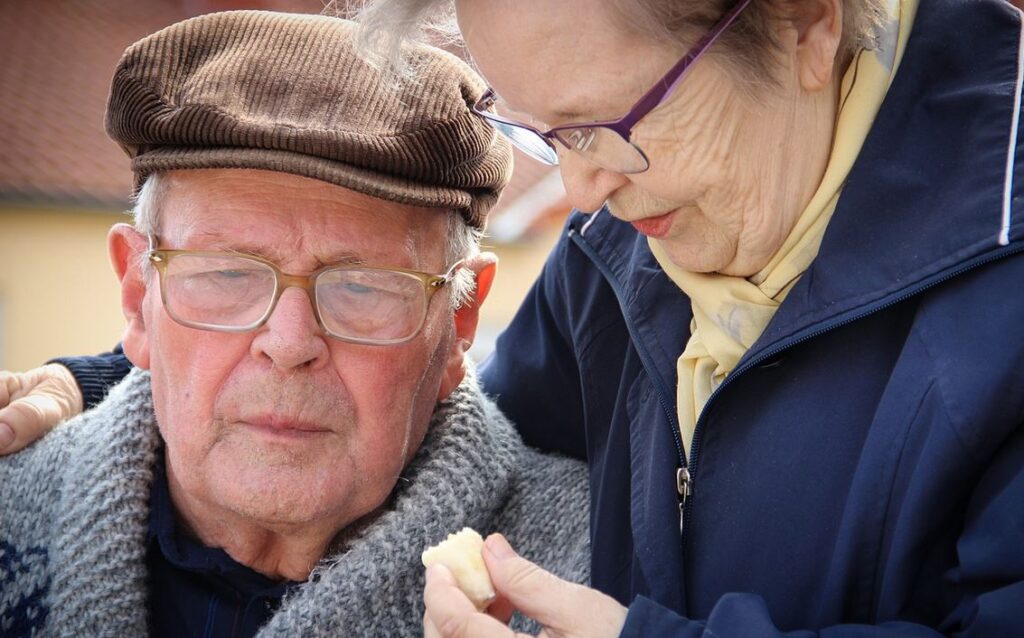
(32, 402)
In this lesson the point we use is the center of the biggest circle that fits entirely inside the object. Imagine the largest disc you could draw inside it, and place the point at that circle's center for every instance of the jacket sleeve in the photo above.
(533, 374)
(95, 375)
(987, 586)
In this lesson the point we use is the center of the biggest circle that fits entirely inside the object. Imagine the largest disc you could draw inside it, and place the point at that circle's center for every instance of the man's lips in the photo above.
(283, 425)
(655, 226)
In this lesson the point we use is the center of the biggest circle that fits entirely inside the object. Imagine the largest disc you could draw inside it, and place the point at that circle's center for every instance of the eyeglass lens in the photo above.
(370, 304)
(212, 291)
(604, 147)
(527, 141)
(236, 293)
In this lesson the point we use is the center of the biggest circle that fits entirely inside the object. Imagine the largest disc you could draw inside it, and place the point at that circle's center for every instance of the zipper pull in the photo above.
(684, 486)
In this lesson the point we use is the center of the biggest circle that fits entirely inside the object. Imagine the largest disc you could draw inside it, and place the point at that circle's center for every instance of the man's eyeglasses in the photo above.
(233, 292)
(606, 144)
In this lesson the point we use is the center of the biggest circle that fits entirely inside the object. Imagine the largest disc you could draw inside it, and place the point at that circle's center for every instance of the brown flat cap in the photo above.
(286, 92)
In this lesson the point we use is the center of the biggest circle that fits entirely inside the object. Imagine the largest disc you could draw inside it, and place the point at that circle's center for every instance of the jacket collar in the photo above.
(937, 185)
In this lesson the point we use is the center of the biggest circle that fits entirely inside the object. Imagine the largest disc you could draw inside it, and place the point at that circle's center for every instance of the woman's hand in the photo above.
(32, 402)
(564, 609)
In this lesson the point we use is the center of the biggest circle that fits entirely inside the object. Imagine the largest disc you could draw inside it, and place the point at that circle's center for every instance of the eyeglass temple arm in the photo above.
(675, 75)
(449, 275)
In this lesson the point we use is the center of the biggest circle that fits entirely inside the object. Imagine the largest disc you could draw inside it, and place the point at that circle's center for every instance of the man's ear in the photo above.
(484, 266)
(819, 26)
(126, 247)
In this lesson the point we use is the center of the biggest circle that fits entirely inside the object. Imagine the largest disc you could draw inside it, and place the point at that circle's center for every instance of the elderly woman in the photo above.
(788, 338)
(784, 326)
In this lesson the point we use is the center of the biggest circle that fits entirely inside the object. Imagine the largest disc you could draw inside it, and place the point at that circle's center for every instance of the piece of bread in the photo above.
(460, 553)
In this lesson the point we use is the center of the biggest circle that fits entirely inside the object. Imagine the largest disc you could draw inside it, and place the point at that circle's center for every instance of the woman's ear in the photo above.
(819, 31)
(467, 316)
(126, 247)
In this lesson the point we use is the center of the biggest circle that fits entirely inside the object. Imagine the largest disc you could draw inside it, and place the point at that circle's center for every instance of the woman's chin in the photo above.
(692, 257)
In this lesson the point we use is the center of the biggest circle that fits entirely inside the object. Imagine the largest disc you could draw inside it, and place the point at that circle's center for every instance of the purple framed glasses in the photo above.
(607, 143)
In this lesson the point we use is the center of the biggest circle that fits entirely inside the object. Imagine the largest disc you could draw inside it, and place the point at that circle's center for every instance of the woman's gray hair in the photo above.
(463, 240)
(747, 46)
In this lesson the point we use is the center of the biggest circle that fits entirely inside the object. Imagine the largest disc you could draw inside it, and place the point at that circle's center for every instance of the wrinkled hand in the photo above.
(566, 610)
(32, 402)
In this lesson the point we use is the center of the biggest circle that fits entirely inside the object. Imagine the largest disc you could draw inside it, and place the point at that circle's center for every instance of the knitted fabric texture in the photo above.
(290, 93)
(75, 512)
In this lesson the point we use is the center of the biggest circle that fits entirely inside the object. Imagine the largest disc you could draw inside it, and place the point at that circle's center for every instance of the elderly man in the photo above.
(298, 288)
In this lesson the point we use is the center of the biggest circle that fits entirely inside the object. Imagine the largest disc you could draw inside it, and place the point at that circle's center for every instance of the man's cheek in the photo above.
(204, 362)
(385, 455)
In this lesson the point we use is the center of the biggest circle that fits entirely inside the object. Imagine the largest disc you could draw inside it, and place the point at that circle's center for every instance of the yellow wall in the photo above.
(58, 293)
(518, 267)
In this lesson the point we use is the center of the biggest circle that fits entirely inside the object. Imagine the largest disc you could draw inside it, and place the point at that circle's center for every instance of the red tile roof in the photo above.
(56, 60)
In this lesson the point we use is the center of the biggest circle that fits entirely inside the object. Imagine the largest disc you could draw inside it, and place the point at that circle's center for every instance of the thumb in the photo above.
(532, 590)
(565, 609)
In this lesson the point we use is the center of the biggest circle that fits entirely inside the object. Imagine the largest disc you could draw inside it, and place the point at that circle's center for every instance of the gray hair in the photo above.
(748, 45)
(463, 240)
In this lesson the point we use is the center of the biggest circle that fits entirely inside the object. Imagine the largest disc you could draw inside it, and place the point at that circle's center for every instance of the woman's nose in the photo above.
(587, 185)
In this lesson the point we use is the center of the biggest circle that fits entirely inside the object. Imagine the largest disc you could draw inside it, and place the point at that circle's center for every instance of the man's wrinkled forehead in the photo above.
(290, 219)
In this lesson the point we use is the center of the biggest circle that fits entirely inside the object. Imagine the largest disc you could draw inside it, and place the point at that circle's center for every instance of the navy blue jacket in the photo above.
(861, 472)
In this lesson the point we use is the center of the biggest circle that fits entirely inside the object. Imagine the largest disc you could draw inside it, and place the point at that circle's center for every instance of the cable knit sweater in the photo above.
(74, 512)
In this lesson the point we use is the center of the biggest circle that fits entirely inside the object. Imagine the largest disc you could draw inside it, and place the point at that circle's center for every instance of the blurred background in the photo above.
(63, 183)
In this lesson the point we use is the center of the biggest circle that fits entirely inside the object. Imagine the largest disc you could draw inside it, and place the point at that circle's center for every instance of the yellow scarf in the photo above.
(730, 313)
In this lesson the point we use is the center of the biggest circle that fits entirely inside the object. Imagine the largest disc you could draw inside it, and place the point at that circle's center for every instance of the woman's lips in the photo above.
(654, 226)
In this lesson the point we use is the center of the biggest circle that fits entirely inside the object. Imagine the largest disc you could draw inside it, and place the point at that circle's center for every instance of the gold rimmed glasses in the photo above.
(237, 292)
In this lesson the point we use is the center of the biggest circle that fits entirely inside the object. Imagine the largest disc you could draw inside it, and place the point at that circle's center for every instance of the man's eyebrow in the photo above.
(339, 258)
(344, 259)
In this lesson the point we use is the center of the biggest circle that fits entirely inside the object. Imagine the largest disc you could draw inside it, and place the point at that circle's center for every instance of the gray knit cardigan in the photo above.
(74, 514)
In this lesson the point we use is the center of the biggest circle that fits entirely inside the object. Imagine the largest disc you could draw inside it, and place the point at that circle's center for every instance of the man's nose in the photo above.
(587, 185)
(292, 338)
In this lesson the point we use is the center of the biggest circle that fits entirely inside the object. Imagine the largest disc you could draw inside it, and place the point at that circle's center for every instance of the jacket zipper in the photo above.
(684, 486)
(687, 469)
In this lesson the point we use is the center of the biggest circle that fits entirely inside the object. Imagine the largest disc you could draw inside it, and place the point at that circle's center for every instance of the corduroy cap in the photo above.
(289, 93)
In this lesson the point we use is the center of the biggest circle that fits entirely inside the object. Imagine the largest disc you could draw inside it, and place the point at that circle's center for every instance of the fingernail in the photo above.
(6, 436)
(499, 547)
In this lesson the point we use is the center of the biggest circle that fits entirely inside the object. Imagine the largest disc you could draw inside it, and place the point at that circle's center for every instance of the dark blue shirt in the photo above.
(197, 590)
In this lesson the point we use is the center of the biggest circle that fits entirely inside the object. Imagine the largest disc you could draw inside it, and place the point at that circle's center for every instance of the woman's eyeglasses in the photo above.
(608, 143)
